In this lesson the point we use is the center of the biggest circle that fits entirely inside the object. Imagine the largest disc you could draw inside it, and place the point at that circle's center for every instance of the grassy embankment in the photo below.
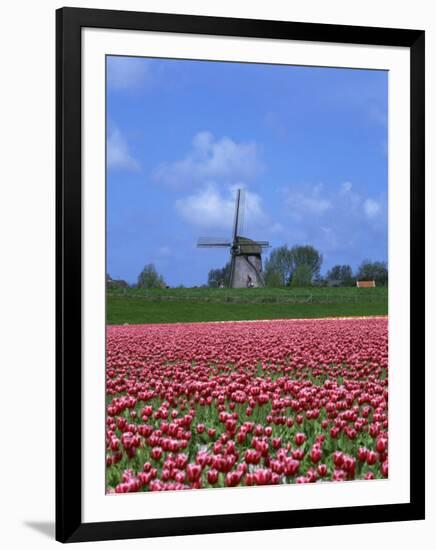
(136, 306)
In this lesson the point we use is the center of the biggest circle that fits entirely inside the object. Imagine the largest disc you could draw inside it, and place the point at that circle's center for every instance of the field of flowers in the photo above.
(246, 403)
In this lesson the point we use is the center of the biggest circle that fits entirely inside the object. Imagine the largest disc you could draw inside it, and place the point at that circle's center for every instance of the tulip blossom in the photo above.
(193, 472)
(300, 438)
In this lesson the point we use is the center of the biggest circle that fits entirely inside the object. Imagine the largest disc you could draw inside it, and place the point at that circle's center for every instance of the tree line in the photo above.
(300, 266)
(148, 278)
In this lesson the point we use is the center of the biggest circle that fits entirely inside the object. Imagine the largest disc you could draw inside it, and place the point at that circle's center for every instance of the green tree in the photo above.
(308, 256)
(149, 278)
(218, 277)
(273, 279)
(302, 275)
(278, 267)
(373, 271)
(283, 262)
(340, 275)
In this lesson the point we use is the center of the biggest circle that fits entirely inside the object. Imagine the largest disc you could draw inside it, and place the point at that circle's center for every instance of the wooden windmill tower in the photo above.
(246, 254)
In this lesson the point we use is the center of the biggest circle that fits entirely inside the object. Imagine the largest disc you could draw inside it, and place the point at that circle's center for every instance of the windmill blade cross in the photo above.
(241, 220)
(211, 242)
(236, 220)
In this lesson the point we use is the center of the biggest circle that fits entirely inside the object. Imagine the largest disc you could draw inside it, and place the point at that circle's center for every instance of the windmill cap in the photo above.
(248, 246)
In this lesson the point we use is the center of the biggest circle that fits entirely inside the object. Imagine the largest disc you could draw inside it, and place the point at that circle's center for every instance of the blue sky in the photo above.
(308, 145)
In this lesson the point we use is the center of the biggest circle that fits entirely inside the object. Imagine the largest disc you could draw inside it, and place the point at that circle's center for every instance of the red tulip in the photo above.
(193, 472)
(381, 444)
(300, 438)
(276, 442)
(233, 478)
(212, 476)
(262, 476)
(252, 456)
(371, 458)
(338, 458)
(249, 480)
(291, 466)
(156, 453)
(362, 454)
(298, 454)
(339, 475)
(322, 470)
(179, 476)
(231, 426)
(316, 454)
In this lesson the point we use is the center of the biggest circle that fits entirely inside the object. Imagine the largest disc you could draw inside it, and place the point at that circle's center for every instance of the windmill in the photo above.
(246, 254)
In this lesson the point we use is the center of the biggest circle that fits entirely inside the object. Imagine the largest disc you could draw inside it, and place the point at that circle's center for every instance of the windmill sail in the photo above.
(236, 220)
(205, 242)
(241, 220)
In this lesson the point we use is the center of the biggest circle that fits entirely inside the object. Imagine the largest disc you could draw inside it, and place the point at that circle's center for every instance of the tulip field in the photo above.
(226, 404)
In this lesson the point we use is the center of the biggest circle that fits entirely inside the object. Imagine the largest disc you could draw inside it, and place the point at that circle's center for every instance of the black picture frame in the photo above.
(69, 22)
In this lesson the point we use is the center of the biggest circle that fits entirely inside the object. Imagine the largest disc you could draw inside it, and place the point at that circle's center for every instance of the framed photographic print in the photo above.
(240, 274)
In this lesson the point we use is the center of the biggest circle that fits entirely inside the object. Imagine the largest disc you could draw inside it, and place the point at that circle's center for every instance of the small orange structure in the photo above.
(365, 284)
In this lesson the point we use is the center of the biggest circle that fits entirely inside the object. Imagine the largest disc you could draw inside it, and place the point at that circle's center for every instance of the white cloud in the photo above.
(127, 73)
(371, 208)
(210, 208)
(211, 159)
(334, 218)
(118, 155)
(346, 186)
(319, 202)
(310, 200)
